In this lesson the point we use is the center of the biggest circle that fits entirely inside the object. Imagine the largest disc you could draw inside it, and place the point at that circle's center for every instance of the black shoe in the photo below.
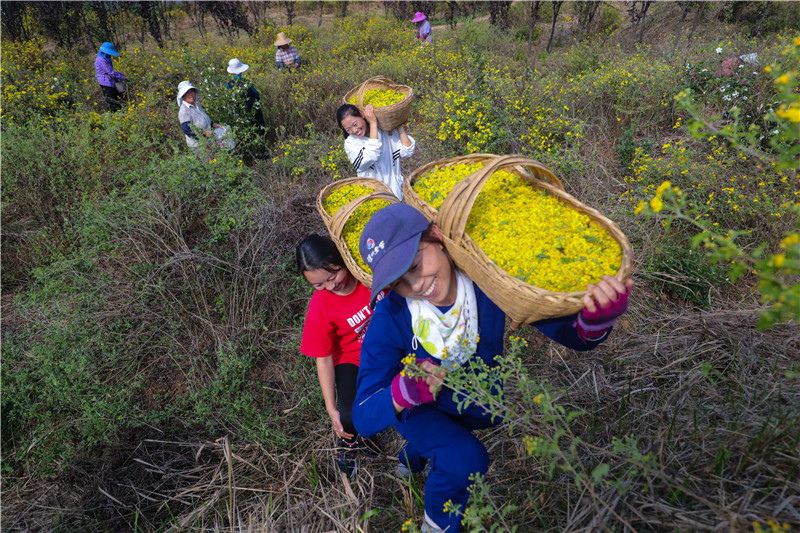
(346, 462)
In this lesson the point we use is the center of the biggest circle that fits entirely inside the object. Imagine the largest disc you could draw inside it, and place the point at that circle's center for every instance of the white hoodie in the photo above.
(379, 158)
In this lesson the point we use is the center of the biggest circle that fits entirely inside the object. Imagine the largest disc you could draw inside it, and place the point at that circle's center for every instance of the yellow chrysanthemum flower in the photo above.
(380, 97)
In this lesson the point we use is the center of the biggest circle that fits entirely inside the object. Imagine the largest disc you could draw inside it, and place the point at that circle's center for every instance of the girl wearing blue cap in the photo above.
(107, 76)
(436, 312)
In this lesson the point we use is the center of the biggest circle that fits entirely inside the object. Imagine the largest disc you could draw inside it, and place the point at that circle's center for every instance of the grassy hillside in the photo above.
(151, 377)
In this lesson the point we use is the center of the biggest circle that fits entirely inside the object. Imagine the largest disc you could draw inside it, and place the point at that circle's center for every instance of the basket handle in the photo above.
(342, 215)
(455, 210)
(363, 87)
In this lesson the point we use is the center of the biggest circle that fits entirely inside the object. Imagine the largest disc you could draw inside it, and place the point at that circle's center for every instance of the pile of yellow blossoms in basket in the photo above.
(380, 97)
(527, 232)
(351, 232)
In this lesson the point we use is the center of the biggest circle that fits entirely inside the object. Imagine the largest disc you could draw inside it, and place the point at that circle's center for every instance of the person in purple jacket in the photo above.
(437, 313)
(107, 76)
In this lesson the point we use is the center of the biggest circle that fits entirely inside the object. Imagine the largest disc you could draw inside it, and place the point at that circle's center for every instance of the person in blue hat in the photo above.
(107, 77)
(440, 317)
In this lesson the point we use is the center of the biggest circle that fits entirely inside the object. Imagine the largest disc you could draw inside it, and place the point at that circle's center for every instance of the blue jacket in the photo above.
(389, 338)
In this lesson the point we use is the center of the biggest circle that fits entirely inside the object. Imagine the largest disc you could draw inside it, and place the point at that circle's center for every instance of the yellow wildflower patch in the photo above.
(530, 234)
(380, 97)
(358, 219)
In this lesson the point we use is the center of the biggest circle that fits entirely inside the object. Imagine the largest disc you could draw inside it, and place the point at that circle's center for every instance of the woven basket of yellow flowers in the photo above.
(345, 207)
(392, 101)
(510, 226)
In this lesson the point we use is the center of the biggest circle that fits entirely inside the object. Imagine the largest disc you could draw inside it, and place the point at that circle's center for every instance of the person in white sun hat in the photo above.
(191, 114)
(249, 94)
(287, 55)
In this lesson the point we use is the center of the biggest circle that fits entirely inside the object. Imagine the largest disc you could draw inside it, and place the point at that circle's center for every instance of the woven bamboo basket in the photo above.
(335, 224)
(522, 303)
(389, 117)
(410, 196)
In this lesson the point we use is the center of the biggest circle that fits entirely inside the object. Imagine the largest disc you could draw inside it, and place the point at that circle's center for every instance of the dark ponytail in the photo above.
(316, 252)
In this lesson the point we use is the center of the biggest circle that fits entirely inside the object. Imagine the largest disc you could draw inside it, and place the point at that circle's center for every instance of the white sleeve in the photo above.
(363, 154)
(407, 151)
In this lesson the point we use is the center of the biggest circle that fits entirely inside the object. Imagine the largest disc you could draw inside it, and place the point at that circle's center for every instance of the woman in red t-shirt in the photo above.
(335, 325)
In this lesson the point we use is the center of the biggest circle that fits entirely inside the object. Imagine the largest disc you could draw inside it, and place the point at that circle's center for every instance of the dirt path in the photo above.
(445, 26)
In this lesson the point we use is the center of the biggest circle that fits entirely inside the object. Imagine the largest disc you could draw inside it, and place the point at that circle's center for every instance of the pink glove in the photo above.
(593, 325)
(409, 392)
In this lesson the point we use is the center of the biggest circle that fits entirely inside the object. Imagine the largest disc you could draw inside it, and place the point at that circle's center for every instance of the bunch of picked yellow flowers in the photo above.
(351, 232)
(527, 232)
(380, 97)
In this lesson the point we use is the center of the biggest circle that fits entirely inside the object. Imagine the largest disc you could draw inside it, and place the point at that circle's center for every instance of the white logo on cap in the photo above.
(375, 252)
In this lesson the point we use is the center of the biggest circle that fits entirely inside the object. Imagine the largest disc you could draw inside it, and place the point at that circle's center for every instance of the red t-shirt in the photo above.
(335, 325)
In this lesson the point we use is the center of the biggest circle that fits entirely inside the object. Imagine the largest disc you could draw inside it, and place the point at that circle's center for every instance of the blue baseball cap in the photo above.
(389, 244)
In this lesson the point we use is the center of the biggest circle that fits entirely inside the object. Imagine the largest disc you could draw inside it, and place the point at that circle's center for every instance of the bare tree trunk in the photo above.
(451, 14)
(149, 15)
(643, 22)
(701, 6)
(586, 13)
(556, 9)
(534, 18)
(289, 11)
(684, 11)
(343, 8)
(321, 5)
(757, 31)
(258, 9)
(165, 14)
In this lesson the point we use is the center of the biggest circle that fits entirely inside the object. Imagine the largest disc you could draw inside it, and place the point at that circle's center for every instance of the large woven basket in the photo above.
(335, 223)
(389, 117)
(522, 303)
(411, 197)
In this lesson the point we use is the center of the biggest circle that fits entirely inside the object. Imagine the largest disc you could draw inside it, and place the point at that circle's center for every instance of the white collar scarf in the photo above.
(451, 337)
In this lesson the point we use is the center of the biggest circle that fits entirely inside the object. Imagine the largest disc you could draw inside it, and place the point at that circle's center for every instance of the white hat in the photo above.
(237, 67)
(183, 88)
(282, 39)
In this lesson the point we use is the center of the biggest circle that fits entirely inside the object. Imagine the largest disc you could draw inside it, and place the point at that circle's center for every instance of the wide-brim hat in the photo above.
(389, 244)
(282, 39)
(419, 16)
(108, 48)
(237, 67)
(183, 88)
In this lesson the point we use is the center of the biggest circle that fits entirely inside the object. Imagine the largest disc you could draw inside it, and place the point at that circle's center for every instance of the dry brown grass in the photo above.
(701, 391)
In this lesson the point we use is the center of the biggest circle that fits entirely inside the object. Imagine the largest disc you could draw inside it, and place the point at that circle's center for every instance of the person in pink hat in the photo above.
(424, 32)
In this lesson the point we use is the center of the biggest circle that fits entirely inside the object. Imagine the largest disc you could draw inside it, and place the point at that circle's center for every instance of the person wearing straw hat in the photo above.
(424, 31)
(373, 152)
(438, 318)
(107, 77)
(249, 94)
(287, 55)
(191, 115)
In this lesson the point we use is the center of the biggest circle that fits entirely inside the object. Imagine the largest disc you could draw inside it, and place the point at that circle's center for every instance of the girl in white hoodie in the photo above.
(373, 152)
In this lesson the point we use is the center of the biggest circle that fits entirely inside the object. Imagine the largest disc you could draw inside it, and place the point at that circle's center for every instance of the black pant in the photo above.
(345, 375)
(112, 98)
